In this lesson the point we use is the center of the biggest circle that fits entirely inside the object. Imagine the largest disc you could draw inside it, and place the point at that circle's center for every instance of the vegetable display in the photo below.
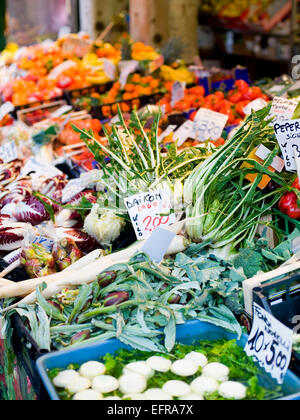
(214, 370)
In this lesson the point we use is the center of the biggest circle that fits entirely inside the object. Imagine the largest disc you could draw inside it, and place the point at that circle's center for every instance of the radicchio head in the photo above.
(31, 210)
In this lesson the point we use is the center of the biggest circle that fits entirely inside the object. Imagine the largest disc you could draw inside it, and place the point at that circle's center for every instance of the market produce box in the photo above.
(189, 333)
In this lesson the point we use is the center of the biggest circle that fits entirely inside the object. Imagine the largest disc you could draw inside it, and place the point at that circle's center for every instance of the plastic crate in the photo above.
(281, 298)
(188, 333)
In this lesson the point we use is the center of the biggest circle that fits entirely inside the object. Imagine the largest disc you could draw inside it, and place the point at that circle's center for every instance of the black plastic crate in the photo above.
(281, 298)
(105, 111)
(72, 95)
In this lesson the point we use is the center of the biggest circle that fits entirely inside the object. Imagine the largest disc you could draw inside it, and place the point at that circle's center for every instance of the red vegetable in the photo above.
(288, 203)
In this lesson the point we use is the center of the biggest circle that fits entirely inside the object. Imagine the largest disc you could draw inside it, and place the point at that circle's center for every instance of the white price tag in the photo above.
(126, 68)
(184, 132)
(209, 125)
(74, 187)
(5, 109)
(64, 30)
(148, 211)
(178, 91)
(9, 152)
(263, 152)
(270, 343)
(40, 169)
(282, 109)
(158, 243)
(255, 105)
(109, 68)
(288, 137)
(170, 129)
(61, 111)
(66, 65)
(45, 242)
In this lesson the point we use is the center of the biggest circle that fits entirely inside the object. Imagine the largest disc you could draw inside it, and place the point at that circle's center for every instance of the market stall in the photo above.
(149, 226)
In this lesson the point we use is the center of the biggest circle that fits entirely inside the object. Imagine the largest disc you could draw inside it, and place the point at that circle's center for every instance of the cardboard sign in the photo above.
(270, 344)
(288, 137)
(9, 152)
(158, 243)
(184, 132)
(282, 109)
(209, 125)
(148, 211)
(255, 105)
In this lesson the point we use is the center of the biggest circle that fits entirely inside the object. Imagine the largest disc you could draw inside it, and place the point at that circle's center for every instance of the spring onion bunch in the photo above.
(136, 162)
(223, 206)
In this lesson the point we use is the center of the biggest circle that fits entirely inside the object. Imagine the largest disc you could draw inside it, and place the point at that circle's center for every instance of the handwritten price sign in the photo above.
(288, 137)
(209, 125)
(270, 344)
(148, 211)
(9, 152)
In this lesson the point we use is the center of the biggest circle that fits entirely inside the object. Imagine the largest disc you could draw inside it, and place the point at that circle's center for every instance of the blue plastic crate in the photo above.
(188, 333)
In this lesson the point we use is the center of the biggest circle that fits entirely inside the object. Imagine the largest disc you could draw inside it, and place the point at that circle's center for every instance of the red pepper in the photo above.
(288, 202)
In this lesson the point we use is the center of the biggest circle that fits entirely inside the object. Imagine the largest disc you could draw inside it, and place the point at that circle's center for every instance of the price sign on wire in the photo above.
(109, 68)
(148, 211)
(9, 152)
(170, 129)
(126, 68)
(209, 125)
(270, 344)
(184, 132)
(288, 137)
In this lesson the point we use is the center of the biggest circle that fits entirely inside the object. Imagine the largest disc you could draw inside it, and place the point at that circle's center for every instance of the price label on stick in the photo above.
(255, 105)
(109, 68)
(170, 129)
(270, 344)
(209, 125)
(148, 211)
(158, 243)
(178, 91)
(9, 152)
(184, 132)
(5, 109)
(126, 68)
(288, 137)
(282, 109)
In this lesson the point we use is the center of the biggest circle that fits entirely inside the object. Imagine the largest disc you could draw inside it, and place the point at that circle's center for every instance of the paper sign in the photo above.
(148, 211)
(61, 111)
(177, 94)
(288, 137)
(156, 64)
(184, 132)
(45, 242)
(5, 109)
(158, 243)
(270, 343)
(109, 68)
(170, 129)
(9, 152)
(209, 125)
(282, 109)
(13, 256)
(255, 105)
(64, 30)
(66, 65)
(74, 187)
(32, 165)
(126, 68)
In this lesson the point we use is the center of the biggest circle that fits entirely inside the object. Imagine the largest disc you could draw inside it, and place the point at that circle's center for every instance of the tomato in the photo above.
(240, 107)
(236, 97)
(219, 94)
(294, 212)
(64, 82)
(265, 97)
(241, 85)
(256, 93)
